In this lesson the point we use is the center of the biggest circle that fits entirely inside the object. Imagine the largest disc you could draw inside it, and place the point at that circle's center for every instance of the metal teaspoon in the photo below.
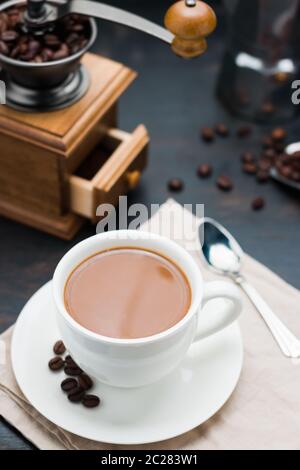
(223, 255)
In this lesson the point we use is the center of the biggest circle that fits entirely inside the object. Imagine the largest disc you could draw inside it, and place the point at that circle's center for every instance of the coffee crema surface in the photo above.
(127, 293)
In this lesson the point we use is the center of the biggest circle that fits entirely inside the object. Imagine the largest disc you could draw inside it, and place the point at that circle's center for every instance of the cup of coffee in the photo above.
(128, 304)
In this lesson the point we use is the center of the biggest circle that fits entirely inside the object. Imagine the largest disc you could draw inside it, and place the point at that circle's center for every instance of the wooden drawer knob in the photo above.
(190, 21)
(133, 178)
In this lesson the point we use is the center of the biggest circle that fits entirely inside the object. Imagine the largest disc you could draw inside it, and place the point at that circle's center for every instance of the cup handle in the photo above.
(227, 315)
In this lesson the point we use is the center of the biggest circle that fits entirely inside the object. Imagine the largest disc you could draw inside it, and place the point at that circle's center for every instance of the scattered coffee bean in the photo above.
(91, 401)
(264, 164)
(267, 142)
(258, 204)
(278, 134)
(250, 168)
(262, 176)
(85, 381)
(204, 170)
(76, 396)
(69, 385)
(175, 184)
(269, 154)
(207, 134)
(224, 183)
(244, 131)
(279, 147)
(56, 363)
(268, 108)
(59, 348)
(73, 371)
(222, 130)
(247, 157)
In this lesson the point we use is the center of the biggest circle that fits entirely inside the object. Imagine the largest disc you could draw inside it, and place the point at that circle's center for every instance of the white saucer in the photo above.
(180, 402)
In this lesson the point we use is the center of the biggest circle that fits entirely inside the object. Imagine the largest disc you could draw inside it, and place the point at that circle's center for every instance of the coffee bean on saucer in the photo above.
(278, 134)
(204, 170)
(258, 204)
(85, 381)
(91, 401)
(68, 385)
(207, 134)
(76, 395)
(69, 360)
(224, 183)
(72, 370)
(59, 348)
(247, 157)
(56, 363)
(175, 184)
(222, 130)
(250, 168)
(244, 131)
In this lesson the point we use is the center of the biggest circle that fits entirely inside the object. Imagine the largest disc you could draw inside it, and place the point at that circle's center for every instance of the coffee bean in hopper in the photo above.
(9, 36)
(56, 363)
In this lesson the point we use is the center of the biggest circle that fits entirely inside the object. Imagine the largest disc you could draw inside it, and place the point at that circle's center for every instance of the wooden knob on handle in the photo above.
(190, 21)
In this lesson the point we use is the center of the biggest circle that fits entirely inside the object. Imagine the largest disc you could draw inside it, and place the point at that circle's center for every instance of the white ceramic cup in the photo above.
(137, 362)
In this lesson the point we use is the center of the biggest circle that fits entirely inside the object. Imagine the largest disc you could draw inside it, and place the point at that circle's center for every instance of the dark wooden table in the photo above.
(174, 99)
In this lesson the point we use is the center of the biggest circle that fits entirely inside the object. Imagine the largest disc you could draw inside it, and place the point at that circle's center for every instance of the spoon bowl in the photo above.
(221, 251)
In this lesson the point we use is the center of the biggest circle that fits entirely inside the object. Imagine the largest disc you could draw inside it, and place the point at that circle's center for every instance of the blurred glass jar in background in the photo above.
(261, 60)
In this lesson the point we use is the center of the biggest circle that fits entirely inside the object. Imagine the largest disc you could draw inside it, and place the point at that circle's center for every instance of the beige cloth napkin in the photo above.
(264, 410)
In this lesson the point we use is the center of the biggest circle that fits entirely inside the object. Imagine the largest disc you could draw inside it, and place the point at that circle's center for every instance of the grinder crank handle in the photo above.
(188, 22)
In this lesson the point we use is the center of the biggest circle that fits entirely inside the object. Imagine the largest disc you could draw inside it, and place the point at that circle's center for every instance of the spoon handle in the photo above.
(288, 343)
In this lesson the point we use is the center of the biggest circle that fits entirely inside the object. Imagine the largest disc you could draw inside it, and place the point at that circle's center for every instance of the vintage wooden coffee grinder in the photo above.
(61, 151)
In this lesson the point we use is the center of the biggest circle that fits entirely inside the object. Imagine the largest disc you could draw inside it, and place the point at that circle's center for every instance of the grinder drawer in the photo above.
(112, 169)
